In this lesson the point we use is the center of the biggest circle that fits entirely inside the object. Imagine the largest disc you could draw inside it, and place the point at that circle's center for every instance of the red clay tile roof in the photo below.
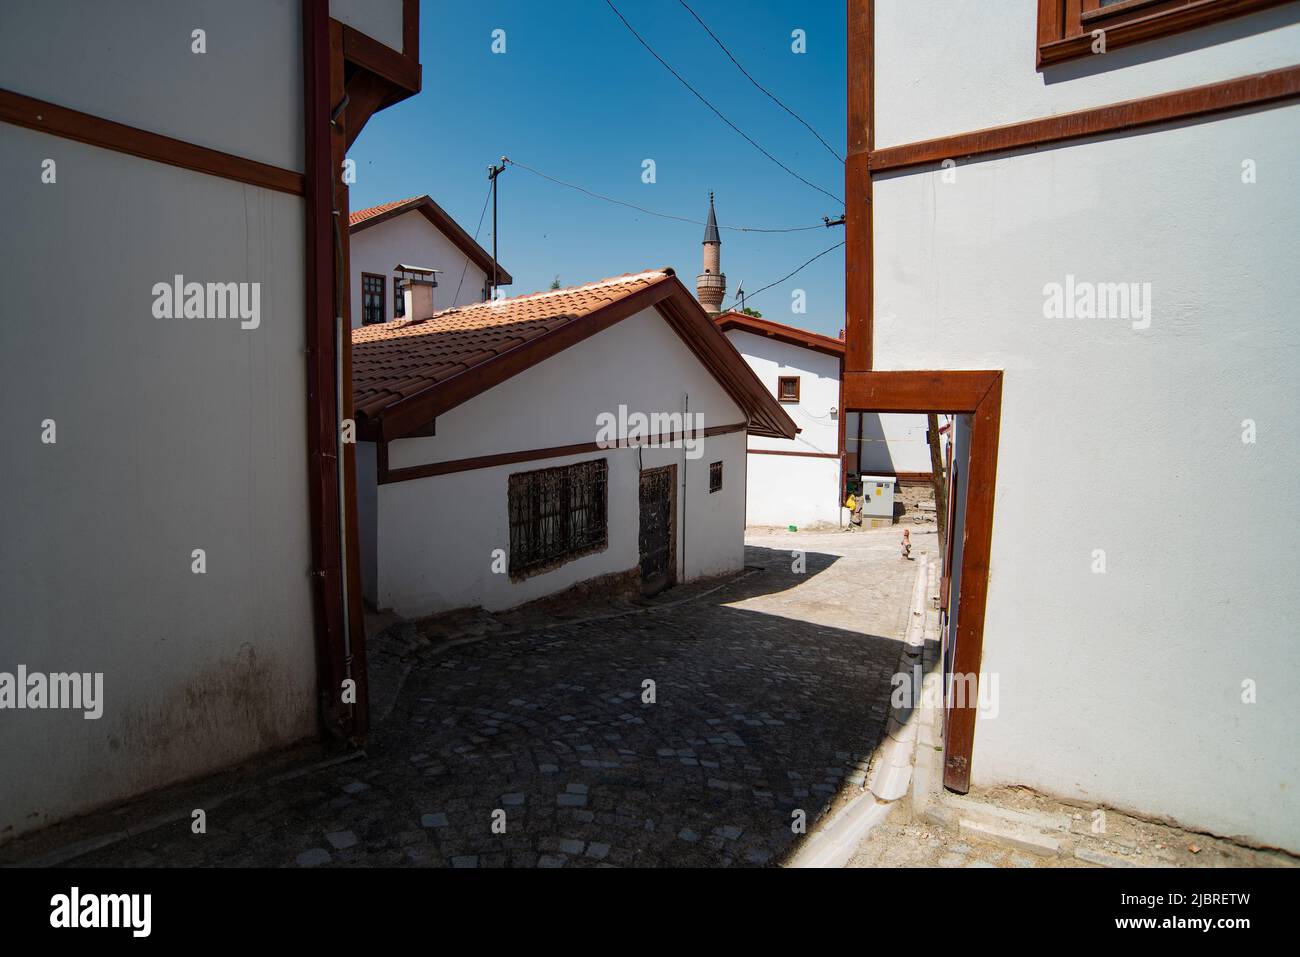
(413, 368)
(441, 220)
(361, 215)
(394, 360)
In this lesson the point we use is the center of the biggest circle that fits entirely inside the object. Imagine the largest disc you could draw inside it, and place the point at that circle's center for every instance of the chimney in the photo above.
(417, 284)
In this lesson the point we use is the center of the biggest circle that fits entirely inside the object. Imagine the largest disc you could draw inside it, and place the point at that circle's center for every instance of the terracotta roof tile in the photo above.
(394, 360)
(361, 215)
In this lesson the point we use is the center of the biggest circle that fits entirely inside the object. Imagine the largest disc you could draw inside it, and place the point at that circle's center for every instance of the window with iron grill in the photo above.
(557, 515)
(787, 388)
(399, 300)
(715, 477)
(372, 299)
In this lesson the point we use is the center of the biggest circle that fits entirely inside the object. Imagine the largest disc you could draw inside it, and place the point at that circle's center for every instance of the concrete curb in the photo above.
(890, 773)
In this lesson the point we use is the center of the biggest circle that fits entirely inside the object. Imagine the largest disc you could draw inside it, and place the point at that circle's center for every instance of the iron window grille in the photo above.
(715, 477)
(787, 388)
(557, 515)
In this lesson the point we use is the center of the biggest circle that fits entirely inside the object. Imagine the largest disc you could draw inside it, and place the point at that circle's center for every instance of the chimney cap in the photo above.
(416, 269)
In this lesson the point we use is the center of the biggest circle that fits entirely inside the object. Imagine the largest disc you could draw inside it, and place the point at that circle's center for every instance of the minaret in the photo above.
(711, 285)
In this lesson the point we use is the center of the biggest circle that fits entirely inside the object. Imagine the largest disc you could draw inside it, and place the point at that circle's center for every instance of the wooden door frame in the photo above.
(974, 393)
(671, 468)
(979, 395)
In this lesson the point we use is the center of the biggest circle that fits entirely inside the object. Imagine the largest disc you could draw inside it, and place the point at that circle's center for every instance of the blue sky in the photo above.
(577, 97)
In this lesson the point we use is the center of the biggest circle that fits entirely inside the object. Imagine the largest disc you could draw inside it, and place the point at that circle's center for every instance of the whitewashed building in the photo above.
(418, 232)
(799, 480)
(175, 496)
(1076, 225)
(514, 448)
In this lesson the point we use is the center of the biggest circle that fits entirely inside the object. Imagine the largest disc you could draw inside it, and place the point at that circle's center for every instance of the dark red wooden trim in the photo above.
(411, 29)
(919, 391)
(1069, 36)
(902, 477)
(96, 131)
(779, 331)
(717, 353)
(858, 254)
(978, 394)
(381, 59)
(388, 475)
(340, 138)
(841, 444)
(1258, 89)
(806, 455)
(323, 488)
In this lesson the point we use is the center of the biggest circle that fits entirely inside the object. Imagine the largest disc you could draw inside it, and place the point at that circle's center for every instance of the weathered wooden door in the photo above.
(658, 542)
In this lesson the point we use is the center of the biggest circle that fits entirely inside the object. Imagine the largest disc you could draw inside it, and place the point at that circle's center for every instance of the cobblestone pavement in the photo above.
(771, 692)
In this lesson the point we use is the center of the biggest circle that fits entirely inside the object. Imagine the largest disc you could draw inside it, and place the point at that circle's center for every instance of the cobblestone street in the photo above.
(771, 691)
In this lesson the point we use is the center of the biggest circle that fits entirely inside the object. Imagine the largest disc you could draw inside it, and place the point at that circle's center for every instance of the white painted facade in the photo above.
(891, 442)
(794, 489)
(171, 434)
(428, 543)
(1122, 688)
(414, 241)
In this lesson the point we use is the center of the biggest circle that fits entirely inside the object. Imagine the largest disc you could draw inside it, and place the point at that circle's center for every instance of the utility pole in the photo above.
(493, 172)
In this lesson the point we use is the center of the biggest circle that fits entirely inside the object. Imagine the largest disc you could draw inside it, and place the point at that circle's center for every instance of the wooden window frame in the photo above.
(383, 296)
(780, 389)
(1065, 27)
(398, 299)
(715, 477)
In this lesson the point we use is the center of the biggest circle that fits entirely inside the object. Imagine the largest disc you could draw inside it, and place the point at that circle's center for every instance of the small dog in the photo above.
(907, 544)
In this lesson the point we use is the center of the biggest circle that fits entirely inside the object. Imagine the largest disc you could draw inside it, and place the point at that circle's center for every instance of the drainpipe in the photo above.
(686, 422)
(339, 460)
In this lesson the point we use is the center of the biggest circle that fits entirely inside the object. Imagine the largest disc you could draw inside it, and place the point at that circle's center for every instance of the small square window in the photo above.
(715, 477)
(787, 388)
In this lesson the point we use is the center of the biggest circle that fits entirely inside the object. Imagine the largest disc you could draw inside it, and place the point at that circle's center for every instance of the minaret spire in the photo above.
(711, 285)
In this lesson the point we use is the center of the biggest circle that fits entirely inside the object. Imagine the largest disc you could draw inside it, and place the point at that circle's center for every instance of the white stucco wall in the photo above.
(819, 390)
(413, 240)
(172, 435)
(955, 66)
(1122, 688)
(132, 63)
(436, 535)
(378, 19)
(891, 442)
(794, 489)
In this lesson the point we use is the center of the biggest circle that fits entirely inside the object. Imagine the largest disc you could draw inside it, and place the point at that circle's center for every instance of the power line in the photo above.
(766, 92)
(751, 295)
(476, 229)
(651, 212)
(701, 98)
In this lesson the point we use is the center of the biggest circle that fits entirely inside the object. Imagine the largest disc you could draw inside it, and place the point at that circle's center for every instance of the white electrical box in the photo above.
(878, 500)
